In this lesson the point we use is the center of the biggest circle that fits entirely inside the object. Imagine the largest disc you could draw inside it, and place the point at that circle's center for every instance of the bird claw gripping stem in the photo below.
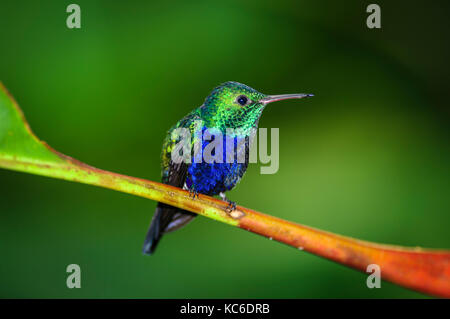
(193, 193)
(231, 206)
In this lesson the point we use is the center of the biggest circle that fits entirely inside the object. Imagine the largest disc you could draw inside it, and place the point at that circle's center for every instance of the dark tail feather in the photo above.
(166, 218)
(154, 233)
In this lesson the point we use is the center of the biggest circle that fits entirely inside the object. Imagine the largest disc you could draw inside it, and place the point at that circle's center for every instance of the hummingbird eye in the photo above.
(242, 100)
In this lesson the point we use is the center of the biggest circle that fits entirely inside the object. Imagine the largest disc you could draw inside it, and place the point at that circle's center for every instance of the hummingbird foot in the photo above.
(193, 193)
(231, 205)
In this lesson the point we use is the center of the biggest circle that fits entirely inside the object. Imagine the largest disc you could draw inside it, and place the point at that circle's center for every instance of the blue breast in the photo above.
(214, 178)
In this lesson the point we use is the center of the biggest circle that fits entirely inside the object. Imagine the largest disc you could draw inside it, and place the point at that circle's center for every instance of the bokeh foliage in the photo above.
(366, 157)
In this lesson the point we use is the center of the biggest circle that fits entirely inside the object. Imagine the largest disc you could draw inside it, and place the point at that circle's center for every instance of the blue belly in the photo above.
(215, 178)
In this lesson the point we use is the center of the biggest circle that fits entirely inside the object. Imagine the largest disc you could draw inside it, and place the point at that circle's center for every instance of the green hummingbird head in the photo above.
(236, 105)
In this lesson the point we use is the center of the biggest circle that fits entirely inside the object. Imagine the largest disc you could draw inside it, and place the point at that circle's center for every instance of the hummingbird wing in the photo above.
(168, 218)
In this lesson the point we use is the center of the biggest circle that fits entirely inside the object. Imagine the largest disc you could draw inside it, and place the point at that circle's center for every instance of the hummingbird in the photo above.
(231, 105)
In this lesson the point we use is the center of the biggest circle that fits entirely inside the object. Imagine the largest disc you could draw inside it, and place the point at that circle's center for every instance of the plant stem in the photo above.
(427, 271)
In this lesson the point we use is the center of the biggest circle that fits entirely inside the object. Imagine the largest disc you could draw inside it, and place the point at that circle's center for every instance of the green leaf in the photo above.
(17, 142)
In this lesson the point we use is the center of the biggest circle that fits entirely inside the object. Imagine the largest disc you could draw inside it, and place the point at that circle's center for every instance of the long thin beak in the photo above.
(274, 98)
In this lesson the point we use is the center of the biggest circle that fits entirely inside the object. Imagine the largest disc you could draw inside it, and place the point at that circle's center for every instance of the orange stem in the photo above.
(427, 271)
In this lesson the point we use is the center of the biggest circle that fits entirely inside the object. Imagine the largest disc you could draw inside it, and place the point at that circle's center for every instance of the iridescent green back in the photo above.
(172, 139)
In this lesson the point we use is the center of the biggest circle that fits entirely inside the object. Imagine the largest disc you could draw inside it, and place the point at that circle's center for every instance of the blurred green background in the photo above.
(367, 157)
